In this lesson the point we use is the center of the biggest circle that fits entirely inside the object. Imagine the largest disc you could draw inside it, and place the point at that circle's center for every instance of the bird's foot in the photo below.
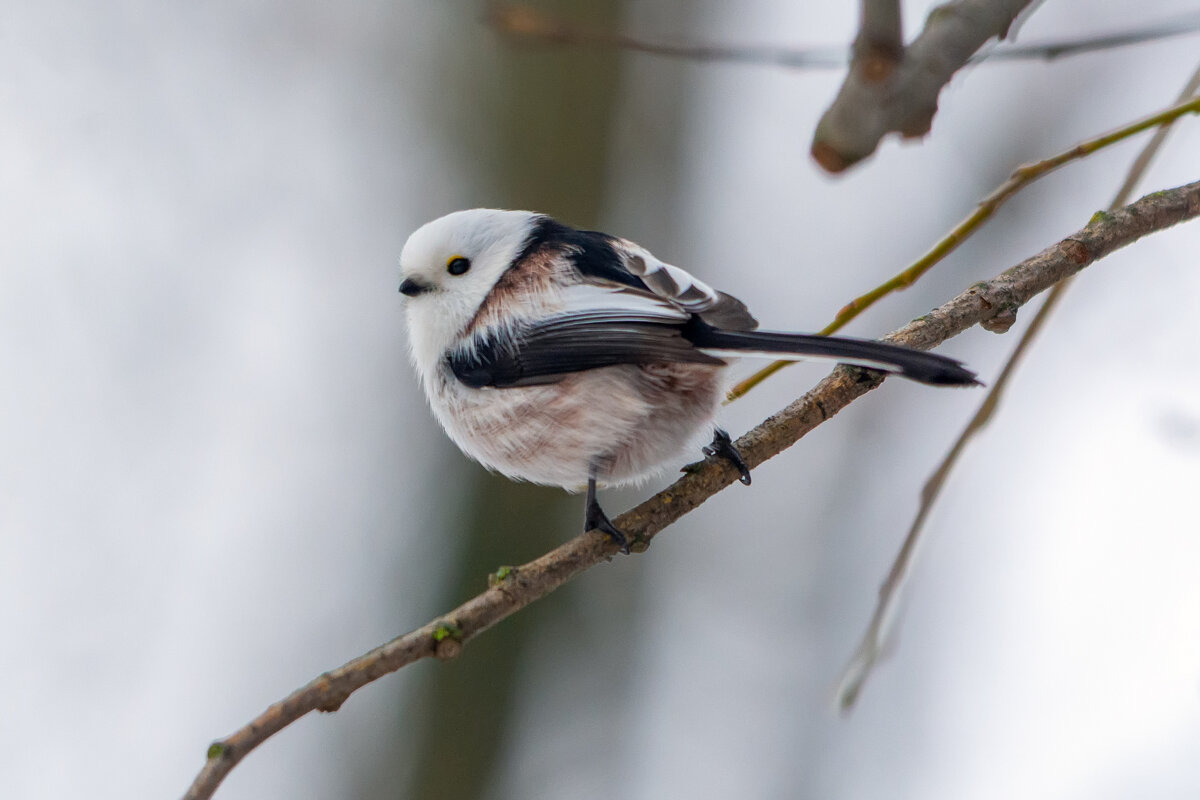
(596, 518)
(722, 446)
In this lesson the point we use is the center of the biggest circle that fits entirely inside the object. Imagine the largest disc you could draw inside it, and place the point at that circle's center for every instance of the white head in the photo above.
(447, 268)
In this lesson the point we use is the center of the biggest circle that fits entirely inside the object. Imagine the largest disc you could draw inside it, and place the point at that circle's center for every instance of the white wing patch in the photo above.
(683, 290)
(583, 298)
(672, 283)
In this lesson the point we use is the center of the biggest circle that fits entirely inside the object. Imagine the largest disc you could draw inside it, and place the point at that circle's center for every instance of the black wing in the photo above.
(596, 255)
(546, 351)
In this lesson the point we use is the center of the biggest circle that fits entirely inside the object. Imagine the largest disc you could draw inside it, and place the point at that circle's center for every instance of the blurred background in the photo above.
(218, 477)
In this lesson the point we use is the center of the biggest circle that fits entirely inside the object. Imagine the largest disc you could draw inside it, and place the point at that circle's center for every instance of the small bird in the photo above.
(569, 357)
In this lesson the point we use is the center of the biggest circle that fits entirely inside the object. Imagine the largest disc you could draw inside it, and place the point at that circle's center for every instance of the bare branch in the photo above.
(528, 24)
(864, 110)
(515, 588)
(1050, 51)
(873, 644)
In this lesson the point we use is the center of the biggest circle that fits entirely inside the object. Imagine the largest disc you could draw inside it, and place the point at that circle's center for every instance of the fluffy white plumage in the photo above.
(556, 433)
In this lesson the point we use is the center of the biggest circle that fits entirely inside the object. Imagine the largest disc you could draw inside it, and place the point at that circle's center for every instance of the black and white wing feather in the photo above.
(547, 350)
(628, 307)
(609, 261)
(682, 289)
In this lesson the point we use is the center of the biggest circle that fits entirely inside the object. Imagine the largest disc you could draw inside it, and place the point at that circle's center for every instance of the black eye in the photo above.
(458, 265)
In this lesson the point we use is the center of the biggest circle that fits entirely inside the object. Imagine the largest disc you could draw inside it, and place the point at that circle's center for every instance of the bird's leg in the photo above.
(722, 446)
(596, 518)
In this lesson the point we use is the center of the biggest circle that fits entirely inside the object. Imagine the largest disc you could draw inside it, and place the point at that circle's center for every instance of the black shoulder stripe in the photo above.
(596, 257)
(592, 252)
(542, 234)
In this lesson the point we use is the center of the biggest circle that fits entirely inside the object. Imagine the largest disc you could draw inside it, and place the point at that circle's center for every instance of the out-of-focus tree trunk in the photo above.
(529, 132)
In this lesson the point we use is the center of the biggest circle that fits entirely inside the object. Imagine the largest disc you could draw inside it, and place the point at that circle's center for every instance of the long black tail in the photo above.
(915, 364)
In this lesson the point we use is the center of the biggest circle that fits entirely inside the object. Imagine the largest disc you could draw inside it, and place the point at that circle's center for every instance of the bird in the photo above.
(575, 358)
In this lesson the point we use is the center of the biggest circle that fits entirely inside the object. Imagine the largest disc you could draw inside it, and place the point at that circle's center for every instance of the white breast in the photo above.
(626, 422)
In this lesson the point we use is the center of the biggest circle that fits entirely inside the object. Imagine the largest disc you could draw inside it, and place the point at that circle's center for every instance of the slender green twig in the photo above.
(1021, 177)
(873, 644)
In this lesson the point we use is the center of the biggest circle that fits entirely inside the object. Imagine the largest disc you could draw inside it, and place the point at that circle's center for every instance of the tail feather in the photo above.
(906, 362)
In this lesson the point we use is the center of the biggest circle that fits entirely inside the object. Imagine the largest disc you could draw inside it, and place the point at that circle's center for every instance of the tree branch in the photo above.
(1021, 177)
(879, 46)
(529, 24)
(514, 588)
(1049, 51)
(525, 23)
(867, 108)
(873, 644)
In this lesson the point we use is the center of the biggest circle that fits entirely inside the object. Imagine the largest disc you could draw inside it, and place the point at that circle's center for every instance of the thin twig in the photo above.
(1021, 177)
(1051, 51)
(515, 588)
(874, 642)
(528, 24)
(873, 645)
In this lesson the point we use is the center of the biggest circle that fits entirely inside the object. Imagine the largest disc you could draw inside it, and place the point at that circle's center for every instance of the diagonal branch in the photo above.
(1049, 51)
(1021, 177)
(904, 101)
(514, 588)
(873, 644)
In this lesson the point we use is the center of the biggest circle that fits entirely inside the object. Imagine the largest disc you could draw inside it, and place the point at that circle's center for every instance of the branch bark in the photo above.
(868, 107)
(514, 588)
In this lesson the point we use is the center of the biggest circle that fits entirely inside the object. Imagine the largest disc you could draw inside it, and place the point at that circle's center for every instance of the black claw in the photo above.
(595, 517)
(722, 446)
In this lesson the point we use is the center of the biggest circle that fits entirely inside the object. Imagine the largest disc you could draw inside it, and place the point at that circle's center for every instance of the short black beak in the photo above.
(411, 288)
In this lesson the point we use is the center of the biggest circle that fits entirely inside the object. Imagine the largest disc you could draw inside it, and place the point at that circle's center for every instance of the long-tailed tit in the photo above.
(567, 357)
